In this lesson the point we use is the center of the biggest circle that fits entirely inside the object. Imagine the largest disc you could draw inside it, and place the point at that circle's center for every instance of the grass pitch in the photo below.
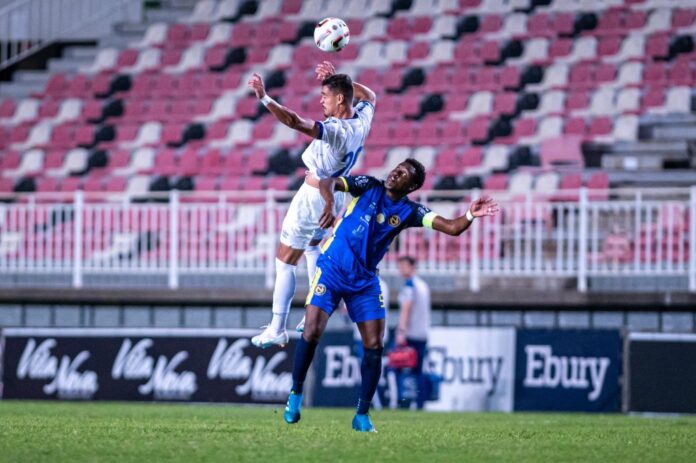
(60, 431)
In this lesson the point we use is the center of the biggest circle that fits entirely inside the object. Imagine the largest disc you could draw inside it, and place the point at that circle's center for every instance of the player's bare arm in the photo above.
(327, 186)
(285, 115)
(360, 92)
(482, 207)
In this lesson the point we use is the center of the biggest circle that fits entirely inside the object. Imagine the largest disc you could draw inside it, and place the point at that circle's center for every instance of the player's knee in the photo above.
(373, 342)
(312, 331)
(311, 334)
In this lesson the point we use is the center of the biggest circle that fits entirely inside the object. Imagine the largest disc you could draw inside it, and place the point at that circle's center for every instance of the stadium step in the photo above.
(19, 90)
(32, 77)
(80, 52)
(67, 64)
(170, 15)
(119, 40)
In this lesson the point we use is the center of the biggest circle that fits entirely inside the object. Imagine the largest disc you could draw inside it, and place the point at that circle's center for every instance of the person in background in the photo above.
(414, 321)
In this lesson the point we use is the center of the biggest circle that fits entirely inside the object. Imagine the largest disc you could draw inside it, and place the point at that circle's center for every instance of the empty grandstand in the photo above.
(139, 158)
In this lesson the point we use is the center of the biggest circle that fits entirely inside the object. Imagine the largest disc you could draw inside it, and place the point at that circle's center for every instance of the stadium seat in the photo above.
(31, 163)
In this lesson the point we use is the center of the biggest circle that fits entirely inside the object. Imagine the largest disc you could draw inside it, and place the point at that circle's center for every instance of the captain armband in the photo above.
(428, 219)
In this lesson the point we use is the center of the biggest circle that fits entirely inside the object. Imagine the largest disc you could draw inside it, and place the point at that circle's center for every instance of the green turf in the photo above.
(56, 432)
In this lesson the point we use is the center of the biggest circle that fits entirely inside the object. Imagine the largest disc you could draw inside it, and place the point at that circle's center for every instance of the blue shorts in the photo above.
(363, 295)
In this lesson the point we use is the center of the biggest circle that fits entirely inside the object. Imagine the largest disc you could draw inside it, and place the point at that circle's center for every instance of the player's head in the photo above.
(406, 177)
(336, 91)
(407, 266)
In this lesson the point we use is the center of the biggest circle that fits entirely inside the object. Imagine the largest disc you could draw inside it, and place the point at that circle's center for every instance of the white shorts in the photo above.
(301, 223)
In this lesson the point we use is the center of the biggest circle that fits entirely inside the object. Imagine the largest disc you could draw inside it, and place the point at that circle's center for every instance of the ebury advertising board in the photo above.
(143, 364)
(568, 370)
(476, 366)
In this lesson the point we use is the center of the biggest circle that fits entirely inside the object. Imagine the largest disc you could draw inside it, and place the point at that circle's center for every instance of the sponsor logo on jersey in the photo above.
(394, 220)
(380, 218)
(320, 289)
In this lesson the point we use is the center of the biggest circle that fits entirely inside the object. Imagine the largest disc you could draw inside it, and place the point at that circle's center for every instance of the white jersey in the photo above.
(339, 144)
(332, 154)
(416, 291)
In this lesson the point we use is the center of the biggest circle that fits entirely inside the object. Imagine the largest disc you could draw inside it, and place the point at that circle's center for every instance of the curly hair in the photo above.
(419, 177)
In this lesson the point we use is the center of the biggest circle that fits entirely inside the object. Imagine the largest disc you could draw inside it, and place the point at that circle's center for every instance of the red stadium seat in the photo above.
(575, 126)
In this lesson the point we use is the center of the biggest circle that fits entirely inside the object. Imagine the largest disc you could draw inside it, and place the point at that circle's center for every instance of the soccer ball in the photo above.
(331, 34)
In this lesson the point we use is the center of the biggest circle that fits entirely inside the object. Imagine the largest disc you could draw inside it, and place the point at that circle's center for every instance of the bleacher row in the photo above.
(527, 81)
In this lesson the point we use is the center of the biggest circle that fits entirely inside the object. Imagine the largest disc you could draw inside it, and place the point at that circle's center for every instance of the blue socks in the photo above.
(371, 369)
(304, 353)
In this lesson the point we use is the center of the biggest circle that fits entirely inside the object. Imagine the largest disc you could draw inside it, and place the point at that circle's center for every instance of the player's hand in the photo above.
(324, 70)
(327, 218)
(484, 206)
(400, 339)
(256, 84)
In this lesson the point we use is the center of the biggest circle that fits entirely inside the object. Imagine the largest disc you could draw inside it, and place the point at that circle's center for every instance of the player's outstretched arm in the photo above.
(327, 186)
(480, 208)
(285, 115)
(360, 91)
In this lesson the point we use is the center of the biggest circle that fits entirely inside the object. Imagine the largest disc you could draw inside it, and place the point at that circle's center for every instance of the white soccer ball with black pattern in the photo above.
(331, 34)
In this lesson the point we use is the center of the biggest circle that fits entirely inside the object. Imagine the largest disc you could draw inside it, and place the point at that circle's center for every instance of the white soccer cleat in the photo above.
(269, 337)
(300, 326)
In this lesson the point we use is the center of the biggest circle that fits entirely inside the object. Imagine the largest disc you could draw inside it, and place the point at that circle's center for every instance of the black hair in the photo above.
(340, 83)
(419, 177)
(410, 259)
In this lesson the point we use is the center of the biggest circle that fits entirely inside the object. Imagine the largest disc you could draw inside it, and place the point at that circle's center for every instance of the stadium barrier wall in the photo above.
(481, 369)
(661, 373)
(476, 367)
(337, 373)
(492, 369)
(143, 365)
(568, 370)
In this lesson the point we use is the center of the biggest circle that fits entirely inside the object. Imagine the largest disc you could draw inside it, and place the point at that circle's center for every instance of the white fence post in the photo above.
(582, 242)
(78, 210)
(692, 241)
(173, 239)
(270, 233)
(474, 271)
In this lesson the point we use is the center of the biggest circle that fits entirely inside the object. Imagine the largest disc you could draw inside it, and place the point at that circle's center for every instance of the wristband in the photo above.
(469, 216)
(266, 100)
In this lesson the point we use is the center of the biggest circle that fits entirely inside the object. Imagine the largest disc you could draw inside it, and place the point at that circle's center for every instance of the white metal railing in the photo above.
(29, 25)
(587, 233)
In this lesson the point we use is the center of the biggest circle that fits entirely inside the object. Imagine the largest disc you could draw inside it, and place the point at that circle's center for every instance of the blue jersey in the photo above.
(369, 225)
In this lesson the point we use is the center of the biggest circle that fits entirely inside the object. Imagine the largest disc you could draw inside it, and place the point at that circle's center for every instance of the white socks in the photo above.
(283, 293)
(312, 253)
(284, 289)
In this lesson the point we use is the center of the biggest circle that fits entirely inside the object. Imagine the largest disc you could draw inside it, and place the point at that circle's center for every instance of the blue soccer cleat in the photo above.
(292, 409)
(362, 423)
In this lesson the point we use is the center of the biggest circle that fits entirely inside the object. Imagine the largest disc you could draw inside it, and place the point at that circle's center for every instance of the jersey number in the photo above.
(350, 159)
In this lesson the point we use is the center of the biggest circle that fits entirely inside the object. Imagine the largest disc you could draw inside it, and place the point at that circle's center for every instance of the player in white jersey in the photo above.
(337, 143)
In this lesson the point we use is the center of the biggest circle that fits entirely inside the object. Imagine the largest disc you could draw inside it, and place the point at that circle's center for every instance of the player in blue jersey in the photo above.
(347, 268)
